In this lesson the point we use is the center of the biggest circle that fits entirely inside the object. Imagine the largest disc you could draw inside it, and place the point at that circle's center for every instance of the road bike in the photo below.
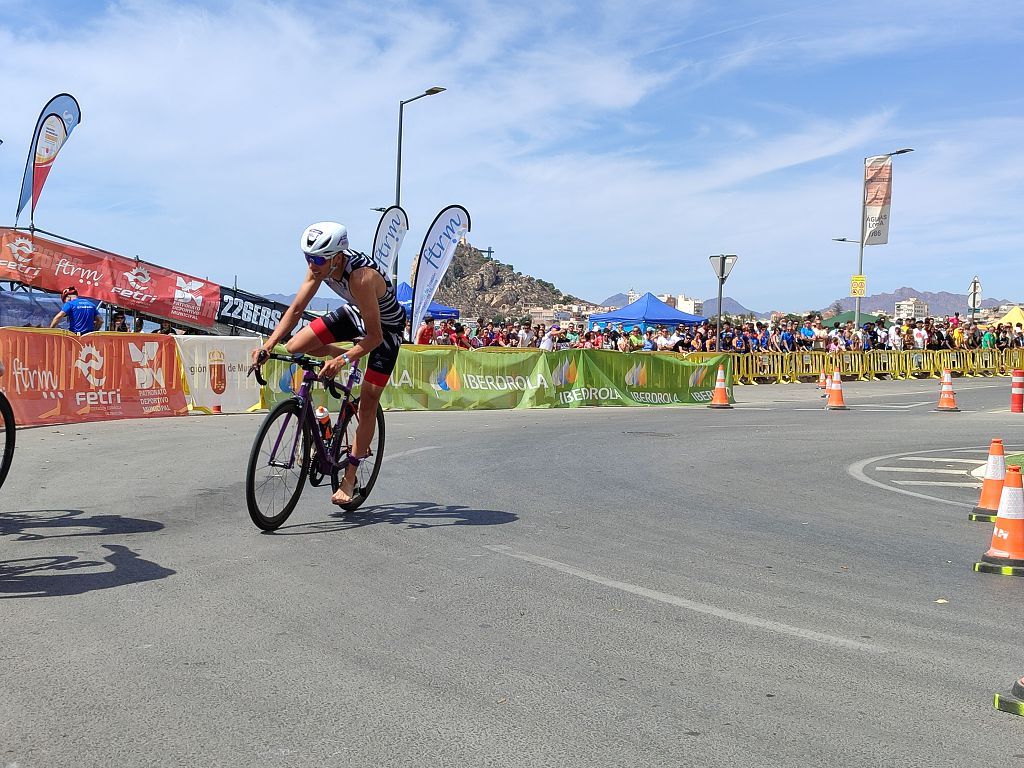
(7, 434)
(292, 445)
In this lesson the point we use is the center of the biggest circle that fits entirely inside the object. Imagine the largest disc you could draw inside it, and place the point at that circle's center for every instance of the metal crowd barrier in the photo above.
(773, 367)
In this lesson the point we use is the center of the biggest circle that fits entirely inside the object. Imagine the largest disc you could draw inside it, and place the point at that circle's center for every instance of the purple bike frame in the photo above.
(306, 415)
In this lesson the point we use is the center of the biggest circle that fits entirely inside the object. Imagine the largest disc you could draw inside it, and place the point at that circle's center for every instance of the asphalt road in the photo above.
(595, 587)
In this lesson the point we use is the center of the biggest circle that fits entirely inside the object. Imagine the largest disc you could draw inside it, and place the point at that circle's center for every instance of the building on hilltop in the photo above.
(632, 296)
(913, 307)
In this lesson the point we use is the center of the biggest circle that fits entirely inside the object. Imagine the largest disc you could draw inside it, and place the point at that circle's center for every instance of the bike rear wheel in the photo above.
(7, 435)
(278, 466)
(369, 467)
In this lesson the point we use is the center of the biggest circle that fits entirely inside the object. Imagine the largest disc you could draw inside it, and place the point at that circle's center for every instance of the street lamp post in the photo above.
(722, 263)
(863, 228)
(398, 174)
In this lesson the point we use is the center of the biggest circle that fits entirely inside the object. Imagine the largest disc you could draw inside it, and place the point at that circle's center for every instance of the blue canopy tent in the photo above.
(435, 310)
(645, 311)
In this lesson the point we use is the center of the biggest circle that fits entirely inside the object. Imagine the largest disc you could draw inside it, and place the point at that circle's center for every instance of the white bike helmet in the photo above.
(325, 239)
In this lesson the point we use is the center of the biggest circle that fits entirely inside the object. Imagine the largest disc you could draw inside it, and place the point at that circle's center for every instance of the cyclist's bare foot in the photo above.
(346, 490)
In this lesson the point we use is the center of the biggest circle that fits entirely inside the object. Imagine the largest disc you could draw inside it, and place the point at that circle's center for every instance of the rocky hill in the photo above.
(941, 303)
(480, 286)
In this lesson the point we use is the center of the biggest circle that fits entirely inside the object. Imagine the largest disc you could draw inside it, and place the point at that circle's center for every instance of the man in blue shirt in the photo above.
(81, 313)
(788, 340)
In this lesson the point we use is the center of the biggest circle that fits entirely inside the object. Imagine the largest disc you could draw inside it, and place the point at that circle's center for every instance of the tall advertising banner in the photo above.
(435, 255)
(127, 283)
(394, 223)
(58, 119)
(216, 373)
(877, 199)
(55, 377)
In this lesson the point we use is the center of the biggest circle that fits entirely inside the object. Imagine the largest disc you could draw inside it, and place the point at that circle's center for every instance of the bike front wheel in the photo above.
(369, 467)
(278, 466)
(7, 435)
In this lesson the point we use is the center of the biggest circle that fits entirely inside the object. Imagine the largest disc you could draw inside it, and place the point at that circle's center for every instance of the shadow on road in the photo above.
(57, 524)
(58, 575)
(414, 514)
(61, 575)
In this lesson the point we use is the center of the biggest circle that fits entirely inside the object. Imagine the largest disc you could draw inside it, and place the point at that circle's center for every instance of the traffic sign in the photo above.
(858, 286)
(974, 295)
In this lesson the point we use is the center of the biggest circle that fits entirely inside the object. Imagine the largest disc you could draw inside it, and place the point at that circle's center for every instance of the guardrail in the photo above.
(782, 368)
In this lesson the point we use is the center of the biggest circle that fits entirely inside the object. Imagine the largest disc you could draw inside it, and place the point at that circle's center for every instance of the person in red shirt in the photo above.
(425, 335)
(461, 338)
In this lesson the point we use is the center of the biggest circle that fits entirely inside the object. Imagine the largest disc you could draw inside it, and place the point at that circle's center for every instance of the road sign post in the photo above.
(974, 296)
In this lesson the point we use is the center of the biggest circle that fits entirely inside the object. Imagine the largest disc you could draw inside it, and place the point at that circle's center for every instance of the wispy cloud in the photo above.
(600, 147)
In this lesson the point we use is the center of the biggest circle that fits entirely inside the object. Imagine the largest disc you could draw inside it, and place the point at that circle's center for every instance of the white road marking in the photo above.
(940, 460)
(856, 471)
(938, 482)
(691, 605)
(410, 452)
(929, 470)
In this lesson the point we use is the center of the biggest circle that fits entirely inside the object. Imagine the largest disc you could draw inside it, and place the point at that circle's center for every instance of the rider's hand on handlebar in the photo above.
(333, 366)
(259, 357)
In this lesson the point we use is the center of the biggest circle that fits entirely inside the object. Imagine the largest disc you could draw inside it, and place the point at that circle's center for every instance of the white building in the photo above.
(632, 296)
(687, 304)
(914, 308)
(668, 298)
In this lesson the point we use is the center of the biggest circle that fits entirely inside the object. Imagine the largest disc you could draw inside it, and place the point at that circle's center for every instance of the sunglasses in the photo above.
(317, 261)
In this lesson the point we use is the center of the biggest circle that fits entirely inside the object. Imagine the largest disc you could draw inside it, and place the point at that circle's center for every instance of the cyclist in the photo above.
(372, 318)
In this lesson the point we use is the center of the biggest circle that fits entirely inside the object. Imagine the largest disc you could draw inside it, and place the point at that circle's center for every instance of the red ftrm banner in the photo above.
(55, 377)
(54, 266)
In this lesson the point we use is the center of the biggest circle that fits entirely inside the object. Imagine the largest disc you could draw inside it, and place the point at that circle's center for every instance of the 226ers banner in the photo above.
(55, 377)
(54, 266)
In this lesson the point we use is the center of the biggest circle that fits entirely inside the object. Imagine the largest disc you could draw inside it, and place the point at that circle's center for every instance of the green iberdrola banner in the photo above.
(438, 379)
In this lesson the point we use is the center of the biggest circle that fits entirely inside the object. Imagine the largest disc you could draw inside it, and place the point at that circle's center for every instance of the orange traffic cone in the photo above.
(835, 395)
(992, 485)
(947, 398)
(720, 399)
(1006, 555)
(823, 382)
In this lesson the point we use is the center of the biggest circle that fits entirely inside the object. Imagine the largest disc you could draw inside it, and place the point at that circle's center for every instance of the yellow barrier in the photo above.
(1014, 360)
(883, 362)
(917, 363)
(953, 360)
(808, 365)
(987, 362)
(847, 363)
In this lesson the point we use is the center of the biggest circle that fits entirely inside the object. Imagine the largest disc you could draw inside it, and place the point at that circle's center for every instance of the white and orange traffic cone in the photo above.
(835, 395)
(1006, 555)
(1017, 392)
(947, 397)
(720, 398)
(823, 383)
(992, 485)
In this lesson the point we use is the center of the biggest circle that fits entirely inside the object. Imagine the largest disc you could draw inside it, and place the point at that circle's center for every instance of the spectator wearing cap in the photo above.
(81, 313)
(550, 339)
(117, 322)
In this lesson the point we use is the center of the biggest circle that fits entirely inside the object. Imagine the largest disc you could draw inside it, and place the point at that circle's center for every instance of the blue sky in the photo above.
(601, 146)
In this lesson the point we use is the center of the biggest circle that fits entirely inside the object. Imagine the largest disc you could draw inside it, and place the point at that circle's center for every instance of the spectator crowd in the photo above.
(810, 334)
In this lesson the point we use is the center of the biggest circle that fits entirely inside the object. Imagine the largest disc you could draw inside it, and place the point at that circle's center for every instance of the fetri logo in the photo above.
(148, 375)
(637, 376)
(446, 380)
(565, 374)
(22, 250)
(187, 291)
(138, 278)
(89, 363)
(21, 258)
